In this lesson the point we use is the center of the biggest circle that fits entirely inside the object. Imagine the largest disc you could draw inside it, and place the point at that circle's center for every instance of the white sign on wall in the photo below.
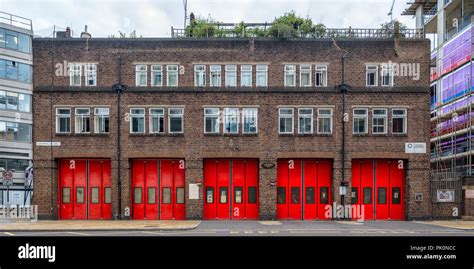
(415, 148)
(193, 191)
(445, 196)
(470, 194)
(48, 143)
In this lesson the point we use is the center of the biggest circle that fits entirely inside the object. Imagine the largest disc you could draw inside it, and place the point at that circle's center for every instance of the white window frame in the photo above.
(212, 115)
(321, 70)
(305, 116)
(289, 70)
(78, 119)
(90, 71)
(217, 71)
(156, 69)
(59, 116)
(261, 70)
(231, 69)
(292, 117)
(379, 116)
(305, 69)
(371, 68)
(325, 116)
(246, 69)
(246, 114)
(227, 116)
(139, 72)
(97, 116)
(365, 116)
(170, 69)
(152, 115)
(175, 115)
(199, 75)
(387, 69)
(405, 119)
(137, 115)
(74, 70)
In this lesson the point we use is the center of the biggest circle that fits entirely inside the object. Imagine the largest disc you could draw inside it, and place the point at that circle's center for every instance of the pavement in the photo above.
(237, 228)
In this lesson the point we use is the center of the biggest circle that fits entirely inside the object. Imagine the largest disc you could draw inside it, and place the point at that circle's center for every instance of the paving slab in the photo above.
(456, 224)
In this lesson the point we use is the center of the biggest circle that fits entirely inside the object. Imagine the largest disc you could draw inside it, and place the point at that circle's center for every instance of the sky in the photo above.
(154, 18)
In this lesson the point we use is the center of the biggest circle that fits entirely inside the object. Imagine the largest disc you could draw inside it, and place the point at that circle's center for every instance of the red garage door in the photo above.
(84, 189)
(230, 189)
(303, 188)
(158, 189)
(378, 186)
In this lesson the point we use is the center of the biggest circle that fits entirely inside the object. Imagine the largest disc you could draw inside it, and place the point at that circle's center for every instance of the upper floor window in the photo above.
(379, 121)
(305, 121)
(321, 76)
(137, 120)
(250, 120)
(15, 132)
(305, 75)
(91, 74)
(101, 120)
(172, 75)
(82, 120)
(360, 121)
(75, 73)
(15, 71)
(324, 121)
(285, 120)
(15, 101)
(387, 75)
(246, 76)
(15, 41)
(290, 76)
(157, 120)
(262, 76)
(211, 120)
(175, 120)
(231, 120)
(371, 74)
(156, 75)
(63, 120)
(199, 75)
(215, 74)
(231, 76)
(399, 121)
(141, 75)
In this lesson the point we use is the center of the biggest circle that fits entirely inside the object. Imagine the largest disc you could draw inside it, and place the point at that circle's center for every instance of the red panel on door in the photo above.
(223, 178)
(179, 190)
(166, 186)
(238, 189)
(294, 184)
(150, 193)
(251, 190)
(94, 190)
(80, 186)
(106, 191)
(324, 196)
(310, 200)
(138, 186)
(381, 189)
(66, 190)
(397, 193)
(210, 187)
(282, 189)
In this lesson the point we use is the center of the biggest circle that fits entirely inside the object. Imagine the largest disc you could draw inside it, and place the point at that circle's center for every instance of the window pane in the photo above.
(396, 195)
(382, 196)
(180, 195)
(3, 100)
(238, 195)
(295, 195)
(281, 195)
(176, 124)
(354, 196)
(95, 195)
(324, 195)
(252, 195)
(166, 195)
(24, 43)
(66, 195)
(108, 195)
(24, 102)
(137, 195)
(151, 195)
(79, 195)
(367, 196)
(209, 195)
(223, 195)
(310, 195)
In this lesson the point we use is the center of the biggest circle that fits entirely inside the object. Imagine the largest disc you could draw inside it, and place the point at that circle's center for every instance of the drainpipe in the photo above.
(119, 89)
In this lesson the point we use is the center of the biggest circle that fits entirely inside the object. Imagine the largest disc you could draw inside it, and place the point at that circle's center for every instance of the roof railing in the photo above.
(15, 20)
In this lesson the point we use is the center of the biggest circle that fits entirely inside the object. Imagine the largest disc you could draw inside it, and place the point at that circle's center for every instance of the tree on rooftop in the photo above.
(290, 25)
(394, 27)
(201, 27)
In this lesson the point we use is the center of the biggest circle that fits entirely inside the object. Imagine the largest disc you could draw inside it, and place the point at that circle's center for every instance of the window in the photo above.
(295, 195)
(91, 75)
(180, 195)
(15, 41)
(387, 75)
(15, 101)
(137, 195)
(305, 121)
(231, 76)
(24, 43)
(324, 121)
(250, 120)
(215, 75)
(324, 195)
(367, 196)
(246, 76)
(360, 121)
(209, 195)
(379, 121)
(396, 195)
(309, 195)
(223, 195)
(24, 73)
(80, 195)
(11, 40)
(231, 120)
(382, 196)
(252, 195)
(66, 194)
(371, 75)
(157, 120)
(238, 195)
(15, 71)
(211, 120)
(262, 76)
(14, 164)
(175, 120)
(156, 75)
(321, 76)
(82, 120)
(151, 195)
(286, 120)
(166, 195)
(305, 75)
(63, 120)
(290, 76)
(75, 75)
(12, 100)
(354, 196)
(107, 195)
(172, 75)
(140, 75)
(12, 70)
(137, 120)
(3, 100)
(399, 121)
(101, 120)
(199, 75)
(281, 195)
(24, 102)
(95, 195)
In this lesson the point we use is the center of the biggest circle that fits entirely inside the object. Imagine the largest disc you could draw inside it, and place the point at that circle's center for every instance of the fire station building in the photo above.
(230, 128)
